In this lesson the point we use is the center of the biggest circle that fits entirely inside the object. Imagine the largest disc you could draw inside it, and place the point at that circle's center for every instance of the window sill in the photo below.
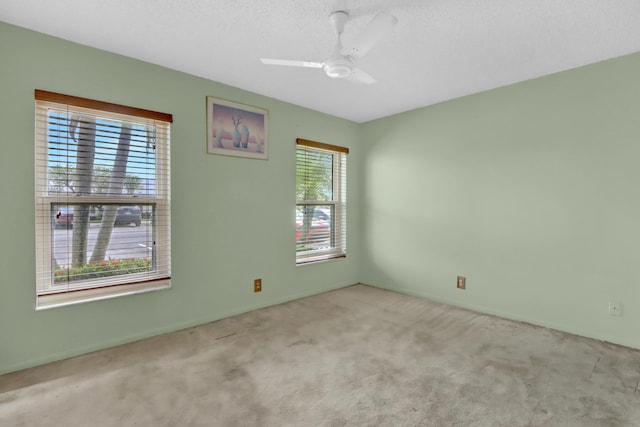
(47, 301)
(317, 259)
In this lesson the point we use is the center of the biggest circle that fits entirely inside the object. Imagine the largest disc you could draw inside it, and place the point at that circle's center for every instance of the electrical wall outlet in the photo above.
(461, 284)
(257, 285)
(615, 308)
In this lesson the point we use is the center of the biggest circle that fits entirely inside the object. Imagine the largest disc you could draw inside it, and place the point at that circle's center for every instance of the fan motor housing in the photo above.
(338, 67)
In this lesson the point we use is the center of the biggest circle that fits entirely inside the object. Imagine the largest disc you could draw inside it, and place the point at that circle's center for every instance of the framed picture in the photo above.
(236, 130)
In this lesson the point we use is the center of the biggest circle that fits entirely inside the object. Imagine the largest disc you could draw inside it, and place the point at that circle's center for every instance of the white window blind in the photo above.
(102, 199)
(321, 201)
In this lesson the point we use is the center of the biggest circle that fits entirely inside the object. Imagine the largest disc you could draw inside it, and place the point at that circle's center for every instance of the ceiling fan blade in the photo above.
(379, 27)
(360, 76)
(291, 63)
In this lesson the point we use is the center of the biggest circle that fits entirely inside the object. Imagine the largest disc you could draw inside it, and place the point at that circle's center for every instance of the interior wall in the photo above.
(233, 219)
(529, 191)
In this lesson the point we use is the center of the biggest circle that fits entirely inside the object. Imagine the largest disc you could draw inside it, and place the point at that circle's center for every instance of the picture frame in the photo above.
(235, 129)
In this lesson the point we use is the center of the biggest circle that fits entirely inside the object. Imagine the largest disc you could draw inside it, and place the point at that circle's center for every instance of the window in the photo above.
(102, 200)
(321, 208)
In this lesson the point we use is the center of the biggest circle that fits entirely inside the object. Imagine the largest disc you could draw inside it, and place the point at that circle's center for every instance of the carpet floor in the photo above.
(358, 356)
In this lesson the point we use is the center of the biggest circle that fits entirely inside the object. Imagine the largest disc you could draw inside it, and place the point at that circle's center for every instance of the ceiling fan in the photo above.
(341, 63)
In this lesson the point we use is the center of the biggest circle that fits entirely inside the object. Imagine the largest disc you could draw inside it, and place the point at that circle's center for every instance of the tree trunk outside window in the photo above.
(86, 140)
(116, 185)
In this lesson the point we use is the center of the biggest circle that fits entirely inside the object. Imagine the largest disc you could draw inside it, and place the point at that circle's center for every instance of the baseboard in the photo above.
(30, 363)
(512, 316)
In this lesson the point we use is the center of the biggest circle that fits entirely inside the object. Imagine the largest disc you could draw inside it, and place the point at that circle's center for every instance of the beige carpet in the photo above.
(358, 356)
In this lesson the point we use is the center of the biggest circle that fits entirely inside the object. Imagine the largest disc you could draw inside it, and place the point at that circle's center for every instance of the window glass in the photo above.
(102, 199)
(321, 201)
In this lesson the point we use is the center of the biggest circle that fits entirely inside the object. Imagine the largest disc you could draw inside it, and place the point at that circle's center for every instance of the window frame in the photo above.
(48, 294)
(338, 233)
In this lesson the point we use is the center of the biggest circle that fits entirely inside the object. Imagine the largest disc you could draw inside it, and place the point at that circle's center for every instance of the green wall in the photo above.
(232, 218)
(530, 191)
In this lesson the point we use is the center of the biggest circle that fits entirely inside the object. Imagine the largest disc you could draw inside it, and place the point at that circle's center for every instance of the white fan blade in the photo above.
(379, 27)
(361, 77)
(291, 63)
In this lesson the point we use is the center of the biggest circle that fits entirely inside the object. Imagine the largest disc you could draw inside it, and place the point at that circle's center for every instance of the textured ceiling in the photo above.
(439, 50)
